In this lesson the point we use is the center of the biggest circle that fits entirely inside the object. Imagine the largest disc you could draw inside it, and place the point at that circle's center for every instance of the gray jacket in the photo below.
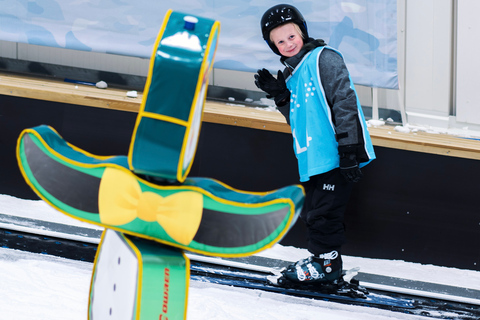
(336, 84)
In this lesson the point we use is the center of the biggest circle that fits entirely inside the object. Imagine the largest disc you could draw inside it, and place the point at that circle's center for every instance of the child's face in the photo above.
(287, 39)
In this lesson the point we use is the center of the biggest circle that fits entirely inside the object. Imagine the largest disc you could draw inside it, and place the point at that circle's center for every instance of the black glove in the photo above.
(276, 88)
(348, 163)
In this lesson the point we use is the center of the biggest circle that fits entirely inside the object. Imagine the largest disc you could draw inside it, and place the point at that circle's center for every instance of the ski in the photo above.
(252, 273)
(224, 272)
(345, 286)
(253, 279)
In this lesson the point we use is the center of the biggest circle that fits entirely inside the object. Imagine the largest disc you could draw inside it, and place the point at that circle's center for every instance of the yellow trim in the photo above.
(147, 85)
(139, 276)
(193, 188)
(58, 155)
(150, 184)
(77, 148)
(162, 117)
(187, 281)
(221, 200)
(24, 174)
(97, 254)
(62, 157)
(215, 30)
(88, 154)
(204, 72)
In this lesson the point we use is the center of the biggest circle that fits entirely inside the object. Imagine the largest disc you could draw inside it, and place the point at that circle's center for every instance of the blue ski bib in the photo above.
(313, 131)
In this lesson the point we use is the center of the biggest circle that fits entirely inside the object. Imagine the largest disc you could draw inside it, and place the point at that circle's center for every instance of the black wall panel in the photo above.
(410, 206)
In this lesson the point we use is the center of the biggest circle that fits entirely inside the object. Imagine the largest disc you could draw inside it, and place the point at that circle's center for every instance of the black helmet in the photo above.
(278, 15)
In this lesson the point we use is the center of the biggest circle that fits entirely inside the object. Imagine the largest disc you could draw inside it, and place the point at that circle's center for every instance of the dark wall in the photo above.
(246, 159)
(410, 206)
(98, 131)
(417, 207)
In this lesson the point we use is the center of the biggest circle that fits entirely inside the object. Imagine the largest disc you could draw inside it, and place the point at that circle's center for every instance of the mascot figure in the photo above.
(152, 212)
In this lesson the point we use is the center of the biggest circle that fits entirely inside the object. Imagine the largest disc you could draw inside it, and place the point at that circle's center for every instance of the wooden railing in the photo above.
(226, 114)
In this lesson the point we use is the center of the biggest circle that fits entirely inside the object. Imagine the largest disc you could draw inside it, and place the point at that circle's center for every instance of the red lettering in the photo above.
(165, 291)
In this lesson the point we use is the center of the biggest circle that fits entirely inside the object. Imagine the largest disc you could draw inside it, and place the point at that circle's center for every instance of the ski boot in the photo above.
(326, 268)
(323, 273)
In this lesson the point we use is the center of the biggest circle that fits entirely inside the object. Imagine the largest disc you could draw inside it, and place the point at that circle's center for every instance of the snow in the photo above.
(464, 132)
(35, 209)
(36, 286)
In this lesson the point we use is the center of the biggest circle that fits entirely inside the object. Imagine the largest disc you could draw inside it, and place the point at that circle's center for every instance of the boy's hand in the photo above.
(276, 88)
(348, 164)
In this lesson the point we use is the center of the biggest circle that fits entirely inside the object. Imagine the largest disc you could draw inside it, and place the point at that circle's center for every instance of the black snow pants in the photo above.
(326, 200)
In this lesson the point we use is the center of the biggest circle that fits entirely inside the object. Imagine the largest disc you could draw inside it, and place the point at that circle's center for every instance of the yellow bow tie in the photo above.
(121, 200)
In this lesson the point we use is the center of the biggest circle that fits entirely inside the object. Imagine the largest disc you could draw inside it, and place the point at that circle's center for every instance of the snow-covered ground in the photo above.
(41, 287)
(35, 286)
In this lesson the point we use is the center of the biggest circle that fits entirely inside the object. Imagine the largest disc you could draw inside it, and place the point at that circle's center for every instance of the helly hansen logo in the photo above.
(328, 187)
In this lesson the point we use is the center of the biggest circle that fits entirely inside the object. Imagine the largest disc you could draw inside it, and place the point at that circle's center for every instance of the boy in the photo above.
(331, 141)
